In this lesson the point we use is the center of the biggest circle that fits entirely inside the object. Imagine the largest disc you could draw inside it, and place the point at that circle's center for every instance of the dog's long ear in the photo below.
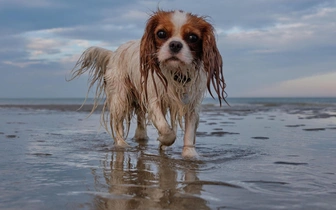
(213, 63)
(149, 63)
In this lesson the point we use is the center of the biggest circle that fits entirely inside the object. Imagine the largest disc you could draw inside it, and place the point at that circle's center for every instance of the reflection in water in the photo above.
(136, 180)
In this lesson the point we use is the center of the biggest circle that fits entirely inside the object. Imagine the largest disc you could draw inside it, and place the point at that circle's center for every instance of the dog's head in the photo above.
(177, 38)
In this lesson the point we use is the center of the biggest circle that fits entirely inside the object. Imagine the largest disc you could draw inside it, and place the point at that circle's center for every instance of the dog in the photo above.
(163, 76)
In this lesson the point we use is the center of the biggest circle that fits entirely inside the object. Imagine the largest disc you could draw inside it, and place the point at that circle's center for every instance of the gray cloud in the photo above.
(262, 42)
(20, 15)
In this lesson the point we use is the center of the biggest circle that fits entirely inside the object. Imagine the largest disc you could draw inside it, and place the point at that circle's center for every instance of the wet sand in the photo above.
(251, 157)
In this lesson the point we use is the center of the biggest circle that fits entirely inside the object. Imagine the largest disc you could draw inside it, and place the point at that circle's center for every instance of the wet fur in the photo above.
(133, 82)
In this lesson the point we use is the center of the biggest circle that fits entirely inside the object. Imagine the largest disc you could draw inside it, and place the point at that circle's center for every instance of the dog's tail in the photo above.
(94, 60)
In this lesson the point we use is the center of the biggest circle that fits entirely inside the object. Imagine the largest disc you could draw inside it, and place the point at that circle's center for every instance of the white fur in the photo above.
(184, 55)
(117, 77)
(179, 18)
(181, 100)
(125, 63)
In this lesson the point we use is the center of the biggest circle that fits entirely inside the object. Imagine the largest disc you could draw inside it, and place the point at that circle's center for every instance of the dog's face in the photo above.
(177, 38)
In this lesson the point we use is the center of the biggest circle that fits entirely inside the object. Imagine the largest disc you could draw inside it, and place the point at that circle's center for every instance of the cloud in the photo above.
(27, 4)
(263, 43)
(287, 34)
(314, 86)
(294, 47)
(113, 33)
(21, 64)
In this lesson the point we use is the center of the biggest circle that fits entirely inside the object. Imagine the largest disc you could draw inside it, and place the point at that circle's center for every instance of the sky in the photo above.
(270, 48)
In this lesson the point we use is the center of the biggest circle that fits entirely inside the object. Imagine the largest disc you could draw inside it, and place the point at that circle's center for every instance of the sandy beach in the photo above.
(252, 156)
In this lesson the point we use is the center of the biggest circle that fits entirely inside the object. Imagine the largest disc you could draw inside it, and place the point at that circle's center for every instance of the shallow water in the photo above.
(264, 159)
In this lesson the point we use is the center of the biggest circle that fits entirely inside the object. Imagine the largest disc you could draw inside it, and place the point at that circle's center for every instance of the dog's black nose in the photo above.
(175, 46)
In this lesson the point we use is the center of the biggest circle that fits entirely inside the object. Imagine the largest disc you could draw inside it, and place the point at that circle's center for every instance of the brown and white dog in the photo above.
(167, 72)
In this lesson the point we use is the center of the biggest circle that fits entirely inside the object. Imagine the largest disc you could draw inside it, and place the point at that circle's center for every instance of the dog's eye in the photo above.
(192, 38)
(161, 34)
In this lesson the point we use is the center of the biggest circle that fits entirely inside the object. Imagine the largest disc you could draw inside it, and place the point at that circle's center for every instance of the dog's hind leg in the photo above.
(119, 135)
(117, 127)
(141, 130)
(119, 112)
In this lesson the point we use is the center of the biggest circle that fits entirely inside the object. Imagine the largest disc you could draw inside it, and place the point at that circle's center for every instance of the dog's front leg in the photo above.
(167, 135)
(191, 124)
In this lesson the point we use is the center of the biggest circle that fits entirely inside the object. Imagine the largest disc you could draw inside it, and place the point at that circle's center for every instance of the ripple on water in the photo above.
(266, 187)
(205, 182)
(214, 157)
(260, 137)
(314, 129)
(216, 133)
(11, 136)
(290, 163)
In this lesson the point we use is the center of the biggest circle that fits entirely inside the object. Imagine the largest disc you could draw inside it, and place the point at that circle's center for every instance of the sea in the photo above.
(232, 101)
(255, 153)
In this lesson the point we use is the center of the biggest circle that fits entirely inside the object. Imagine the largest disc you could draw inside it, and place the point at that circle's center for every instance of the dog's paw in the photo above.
(121, 143)
(168, 138)
(162, 147)
(140, 138)
(189, 152)
(140, 135)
